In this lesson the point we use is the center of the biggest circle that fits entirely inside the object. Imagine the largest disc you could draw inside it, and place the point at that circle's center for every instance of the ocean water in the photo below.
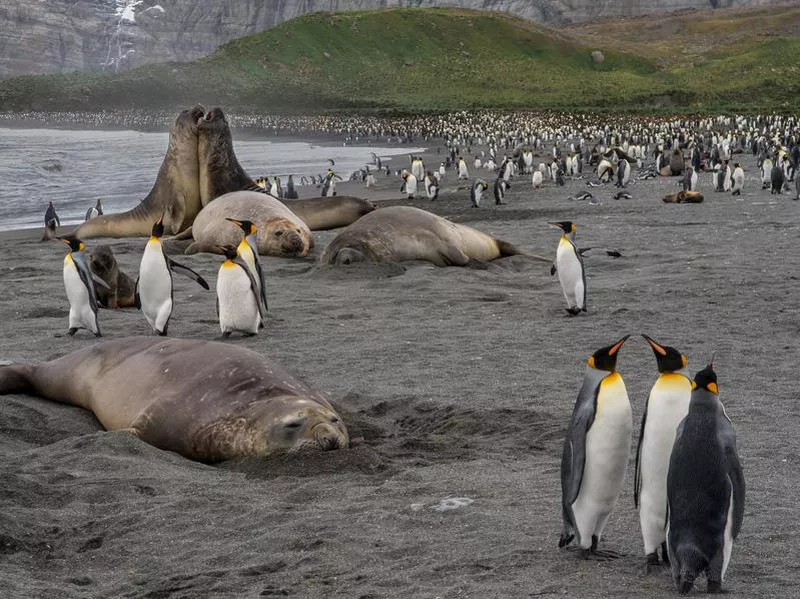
(73, 168)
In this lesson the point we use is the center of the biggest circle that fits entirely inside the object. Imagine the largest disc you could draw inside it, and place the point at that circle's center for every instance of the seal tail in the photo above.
(508, 249)
(15, 378)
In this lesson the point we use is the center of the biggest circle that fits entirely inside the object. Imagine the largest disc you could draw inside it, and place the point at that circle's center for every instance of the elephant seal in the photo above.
(280, 231)
(220, 171)
(321, 214)
(400, 233)
(205, 400)
(121, 289)
(175, 194)
(683, 197)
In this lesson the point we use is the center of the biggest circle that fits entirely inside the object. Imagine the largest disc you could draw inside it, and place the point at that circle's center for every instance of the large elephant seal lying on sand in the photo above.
(175, 194)
(204, 400)
(280, 231)
(322, 214)
(683, 197)
(400, 233)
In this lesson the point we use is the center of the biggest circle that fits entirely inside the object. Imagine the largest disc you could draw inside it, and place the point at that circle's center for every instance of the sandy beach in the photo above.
(456, 383)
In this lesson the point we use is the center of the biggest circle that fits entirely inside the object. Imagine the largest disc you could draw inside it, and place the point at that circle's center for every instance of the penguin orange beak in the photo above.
(615, 348)
(234, 221)
(656, 347)
(160, 220)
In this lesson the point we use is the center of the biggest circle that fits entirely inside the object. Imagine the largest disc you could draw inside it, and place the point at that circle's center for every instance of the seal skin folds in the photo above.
(401, 233)
(205, 400)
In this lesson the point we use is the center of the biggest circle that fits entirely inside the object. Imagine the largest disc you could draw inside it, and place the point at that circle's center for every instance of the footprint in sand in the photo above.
(452, 503)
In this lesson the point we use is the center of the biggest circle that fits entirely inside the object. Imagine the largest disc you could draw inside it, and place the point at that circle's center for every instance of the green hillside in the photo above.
(409, 60)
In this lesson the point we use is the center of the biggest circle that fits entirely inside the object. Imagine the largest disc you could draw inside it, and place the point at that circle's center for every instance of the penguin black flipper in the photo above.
(253, 285)
(637, 480)
(573, 459)
(260, 273)
(186, 271)
(87, 279)
(136, 300)
(727, 437)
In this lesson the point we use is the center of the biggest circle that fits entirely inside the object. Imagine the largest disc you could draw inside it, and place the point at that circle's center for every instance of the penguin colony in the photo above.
(688, 522)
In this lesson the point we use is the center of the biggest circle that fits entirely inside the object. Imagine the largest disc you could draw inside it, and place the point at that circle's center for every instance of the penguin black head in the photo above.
(75, 245)
(158, 228)
(606, 357)
(668, 358)
(247, 226)
(706, 379)
(228, 251)
(566, 226)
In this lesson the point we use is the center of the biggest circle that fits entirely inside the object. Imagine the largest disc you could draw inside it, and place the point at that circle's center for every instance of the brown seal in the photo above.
(280, 231)
(219, 169)
(683, 197)
(400, 233)
(205, 400)
(175, 194)
(121, 288)
(676, 163)
(323, 213)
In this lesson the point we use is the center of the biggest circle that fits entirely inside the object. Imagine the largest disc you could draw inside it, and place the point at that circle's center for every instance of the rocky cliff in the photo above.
(56, 36)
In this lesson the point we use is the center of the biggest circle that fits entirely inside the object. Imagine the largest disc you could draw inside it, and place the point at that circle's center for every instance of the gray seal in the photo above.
(205, 400)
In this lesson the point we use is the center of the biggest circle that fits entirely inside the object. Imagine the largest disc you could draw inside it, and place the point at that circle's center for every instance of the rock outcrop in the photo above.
(56, 36)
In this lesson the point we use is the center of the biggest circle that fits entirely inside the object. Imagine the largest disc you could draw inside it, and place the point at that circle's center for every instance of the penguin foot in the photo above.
(653, 564)
(226, 334)
(686, 585)
(598, 555)
(71, 332)
(715, 588)
(573, 311)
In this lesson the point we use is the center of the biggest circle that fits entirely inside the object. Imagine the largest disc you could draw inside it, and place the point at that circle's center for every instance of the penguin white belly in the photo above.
(727, 547)
(238, 310)
(81, 315)
(537, 179)
(155, 287)
(570, 275)
(608, 443)
(667, 406)
(463, 173)
(411, 186)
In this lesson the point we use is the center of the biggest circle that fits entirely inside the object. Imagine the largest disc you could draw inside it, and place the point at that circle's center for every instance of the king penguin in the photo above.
(595, 452)
(79, 282)
(569, 266)
(476, 192)
(154, 284)
(665, 408)
(96, 210)
(237, 295)
(248, 252)
(500, 186)
(705, 489)
(737, 180)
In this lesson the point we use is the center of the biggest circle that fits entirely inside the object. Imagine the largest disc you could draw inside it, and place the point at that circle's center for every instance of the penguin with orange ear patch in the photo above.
(595, 453)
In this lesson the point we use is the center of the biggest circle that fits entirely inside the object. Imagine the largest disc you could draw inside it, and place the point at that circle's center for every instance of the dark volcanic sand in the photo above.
(456, 383)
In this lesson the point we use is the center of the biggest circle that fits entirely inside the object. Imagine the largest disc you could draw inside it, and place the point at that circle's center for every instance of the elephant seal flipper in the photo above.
(205, 400)
(175, 193)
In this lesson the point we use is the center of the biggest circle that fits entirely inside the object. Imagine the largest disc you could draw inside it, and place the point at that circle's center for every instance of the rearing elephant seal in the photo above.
(175, 194)
(280, 231)
(220, 171)
(207, 401)
(400, 233)
(321, 214)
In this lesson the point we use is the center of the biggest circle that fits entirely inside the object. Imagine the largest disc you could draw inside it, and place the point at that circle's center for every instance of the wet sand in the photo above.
(455, 383)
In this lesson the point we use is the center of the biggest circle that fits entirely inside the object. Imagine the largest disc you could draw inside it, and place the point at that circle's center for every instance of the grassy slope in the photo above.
(443, 59)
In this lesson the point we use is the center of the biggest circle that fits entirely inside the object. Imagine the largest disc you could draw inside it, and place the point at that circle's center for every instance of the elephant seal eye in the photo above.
(294, 424)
